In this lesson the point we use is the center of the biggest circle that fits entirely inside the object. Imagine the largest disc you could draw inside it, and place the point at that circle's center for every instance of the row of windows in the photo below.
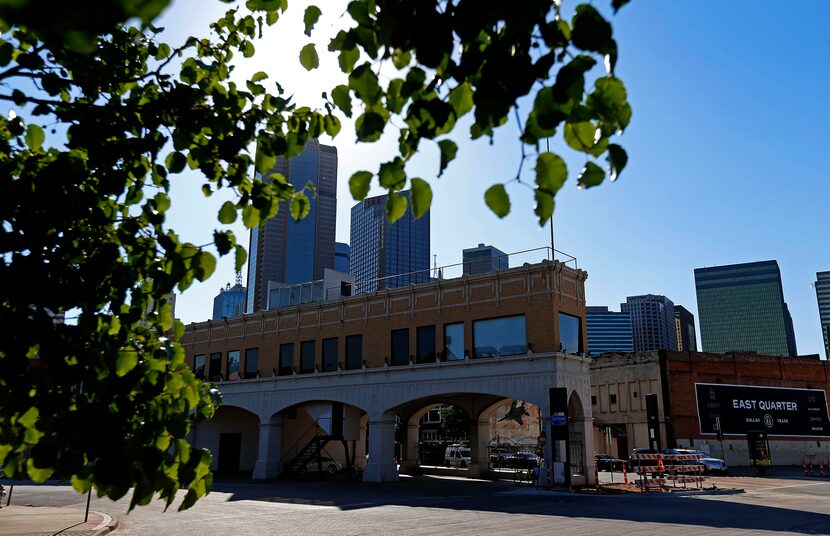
(211, 369)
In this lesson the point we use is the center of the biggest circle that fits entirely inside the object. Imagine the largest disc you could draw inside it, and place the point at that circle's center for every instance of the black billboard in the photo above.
(778, 411)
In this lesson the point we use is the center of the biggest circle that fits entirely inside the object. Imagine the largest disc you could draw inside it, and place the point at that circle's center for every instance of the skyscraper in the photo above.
(823, 297)
(684, 322)
(608, 331)
(230, 301)
(484, 259)
(652, 322)
(342, 256)
(387, 254)
(288, 252)
(741, 307)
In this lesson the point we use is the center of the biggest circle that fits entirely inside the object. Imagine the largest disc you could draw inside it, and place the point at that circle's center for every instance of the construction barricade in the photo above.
(658, 472)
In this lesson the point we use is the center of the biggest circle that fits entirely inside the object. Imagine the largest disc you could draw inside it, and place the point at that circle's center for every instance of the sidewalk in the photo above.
(39, 520)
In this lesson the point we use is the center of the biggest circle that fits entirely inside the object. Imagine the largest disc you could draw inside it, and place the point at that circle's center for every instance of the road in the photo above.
(446, 505)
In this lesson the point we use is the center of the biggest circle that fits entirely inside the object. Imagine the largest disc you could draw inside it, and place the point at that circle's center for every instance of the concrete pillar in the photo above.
(587, 428)
(269, 460)
(409, 461)
(479, 452)
(381, 465)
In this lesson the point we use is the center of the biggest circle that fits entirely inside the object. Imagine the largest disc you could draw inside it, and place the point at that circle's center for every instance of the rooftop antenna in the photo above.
(552, 250)
(239, 277)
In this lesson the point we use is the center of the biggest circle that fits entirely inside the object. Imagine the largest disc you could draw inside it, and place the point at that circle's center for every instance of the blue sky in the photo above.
(726, 147)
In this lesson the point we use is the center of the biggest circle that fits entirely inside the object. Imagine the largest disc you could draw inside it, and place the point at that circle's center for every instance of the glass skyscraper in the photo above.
(608, 331)
(288, 252)
(741, 307)
(342, 254)
(387, 255)
(652, 322)
(684, 322)
(484, 259)
(230, 301)
(823, 297)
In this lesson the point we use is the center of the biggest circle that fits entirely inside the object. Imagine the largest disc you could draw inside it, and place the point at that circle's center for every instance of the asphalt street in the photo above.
(446, 505)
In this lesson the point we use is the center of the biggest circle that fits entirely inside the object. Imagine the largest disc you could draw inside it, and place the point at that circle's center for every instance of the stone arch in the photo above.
(232, 436)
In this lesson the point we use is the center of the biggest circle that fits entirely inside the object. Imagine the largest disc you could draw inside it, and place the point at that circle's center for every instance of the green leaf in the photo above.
(497, 199)
(250, 217)
(544, 206)
(175, 162)
(359, 184)
(590, 176)
(259, 75)
(308, 57)
(312, 14)
(247, 49)
(369, 126)
(263, 160)
(227, 214)
(395, 207)
(29, 418)
(617, 159)
(391, 175)
(162, 202)
(617, 4)
(347, 58)
(163, 51)
(203, 264)
(38, 474)
(551, 173)
(332, 125)
(342, 99)
(127, 360)
(81, 485)
(420, 197)
(448, 151)
(580, 136)
(461, 99)
(609, 102)
(34, 137)
(401, 58)
(240, 256)
(590, 30)
(300, 206)
(364, 83)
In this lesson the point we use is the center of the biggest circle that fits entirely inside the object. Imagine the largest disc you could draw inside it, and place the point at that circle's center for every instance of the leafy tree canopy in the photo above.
(103, 115)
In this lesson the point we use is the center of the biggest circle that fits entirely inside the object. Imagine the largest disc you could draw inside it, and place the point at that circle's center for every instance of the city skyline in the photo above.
(714, 191)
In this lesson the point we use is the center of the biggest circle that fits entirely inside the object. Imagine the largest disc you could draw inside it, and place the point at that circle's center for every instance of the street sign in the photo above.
(558, 420)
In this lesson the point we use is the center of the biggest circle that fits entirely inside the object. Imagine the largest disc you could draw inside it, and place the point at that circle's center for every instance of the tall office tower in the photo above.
(652, 322)
(484, 259)
(684, 322)
(342, 256)
(230, 301)
(741, 307)
(608, 331)
(288, 252)
(823, 296)
(387, 255)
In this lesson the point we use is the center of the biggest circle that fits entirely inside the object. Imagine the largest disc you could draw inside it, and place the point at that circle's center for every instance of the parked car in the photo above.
(605, 462)
(712, 465)
(329, 466)
(497, 455)
(457, 456)
(521, 460)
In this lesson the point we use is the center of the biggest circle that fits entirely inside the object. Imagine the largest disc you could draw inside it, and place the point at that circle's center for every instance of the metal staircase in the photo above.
(307, 454)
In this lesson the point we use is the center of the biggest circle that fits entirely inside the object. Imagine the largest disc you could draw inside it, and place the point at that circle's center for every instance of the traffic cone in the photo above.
(660, 467)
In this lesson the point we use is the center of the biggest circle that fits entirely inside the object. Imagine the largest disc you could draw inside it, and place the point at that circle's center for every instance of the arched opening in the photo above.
(576, 436)
(514, 426)
(232, 436)
(443, 437)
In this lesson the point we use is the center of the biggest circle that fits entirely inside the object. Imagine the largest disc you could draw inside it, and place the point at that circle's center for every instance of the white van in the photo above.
(457, 456)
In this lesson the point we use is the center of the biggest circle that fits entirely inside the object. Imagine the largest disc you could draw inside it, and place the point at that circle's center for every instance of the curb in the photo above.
(107, 525)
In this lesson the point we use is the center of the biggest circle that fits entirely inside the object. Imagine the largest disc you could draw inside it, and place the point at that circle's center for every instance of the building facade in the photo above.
(652, 322)
(387, 255)
(286, 251)
(483, 259)
(684, 322)
(741, 307)
(230, 301)
(349, 371)
(789, 394)
(608, 331)
(822, 286)
(342, 255)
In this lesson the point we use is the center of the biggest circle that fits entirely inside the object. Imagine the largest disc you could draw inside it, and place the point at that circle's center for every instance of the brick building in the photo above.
(619, 382)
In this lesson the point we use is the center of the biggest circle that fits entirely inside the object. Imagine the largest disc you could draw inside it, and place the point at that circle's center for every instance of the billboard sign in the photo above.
(778, 411)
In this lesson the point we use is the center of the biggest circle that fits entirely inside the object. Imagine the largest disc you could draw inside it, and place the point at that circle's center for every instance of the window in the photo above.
(612, 398)
(307, 357)
(354, 352)
(425, 336)
(400, 346)
(251, 362)
(287, 359)
(199, 366)
(233, 365)
(499, 336)
(215, 371)
(593, 400)
(329, 355)
(570, 334)
(454, 341)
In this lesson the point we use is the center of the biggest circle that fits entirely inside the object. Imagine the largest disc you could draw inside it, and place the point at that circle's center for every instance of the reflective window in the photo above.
(499, 336)
(251, 362)
(233, 365)
(215, 369)
(454, 341)
(330, 354)
(307, 357)
(425, 336)
(354, 352)
(199, 366)
(400, 346)
(570, 334)
(287, 359)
